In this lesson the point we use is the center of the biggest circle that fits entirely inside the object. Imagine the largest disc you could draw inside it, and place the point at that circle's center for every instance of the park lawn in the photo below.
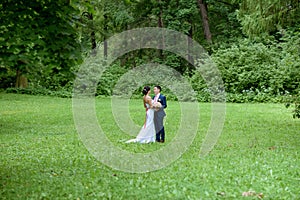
(42, 156)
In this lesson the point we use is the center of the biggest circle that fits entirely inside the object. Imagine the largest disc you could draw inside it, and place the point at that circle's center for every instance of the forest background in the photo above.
(254, 44)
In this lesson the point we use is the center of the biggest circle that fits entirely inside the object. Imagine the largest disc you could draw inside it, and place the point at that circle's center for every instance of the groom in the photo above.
(159, 115)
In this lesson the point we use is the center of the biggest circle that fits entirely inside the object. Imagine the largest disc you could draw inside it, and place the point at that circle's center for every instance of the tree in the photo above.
(38, 36)
(203, 10)
(265, 17)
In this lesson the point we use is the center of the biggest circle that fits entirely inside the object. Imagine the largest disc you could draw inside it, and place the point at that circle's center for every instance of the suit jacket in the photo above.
(163, 100)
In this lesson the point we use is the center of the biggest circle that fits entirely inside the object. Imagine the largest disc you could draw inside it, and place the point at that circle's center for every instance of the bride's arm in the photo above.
(144, 102)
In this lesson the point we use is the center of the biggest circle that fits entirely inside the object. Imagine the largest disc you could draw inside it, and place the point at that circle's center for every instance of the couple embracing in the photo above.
(153, 128)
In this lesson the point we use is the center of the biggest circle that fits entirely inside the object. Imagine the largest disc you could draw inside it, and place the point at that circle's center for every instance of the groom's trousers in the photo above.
(159, 126)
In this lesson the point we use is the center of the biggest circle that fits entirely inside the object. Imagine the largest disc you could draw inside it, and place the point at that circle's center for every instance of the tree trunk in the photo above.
(93, 35)
(21, 80)
(190, 45)
(160, 25)
(203, 10)
(105, 32)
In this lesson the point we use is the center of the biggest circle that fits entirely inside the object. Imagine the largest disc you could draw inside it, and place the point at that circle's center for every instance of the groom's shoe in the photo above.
(157, 140)
(162, 141)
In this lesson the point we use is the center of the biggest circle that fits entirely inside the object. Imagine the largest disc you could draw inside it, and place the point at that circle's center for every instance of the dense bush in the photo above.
(256, 71)
(109, 78)
(253, 67)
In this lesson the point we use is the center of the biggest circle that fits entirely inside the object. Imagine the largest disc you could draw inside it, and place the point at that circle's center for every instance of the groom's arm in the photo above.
(164, 102)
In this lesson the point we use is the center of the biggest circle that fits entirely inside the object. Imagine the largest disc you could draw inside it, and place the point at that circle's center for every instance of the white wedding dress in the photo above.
(147, 132)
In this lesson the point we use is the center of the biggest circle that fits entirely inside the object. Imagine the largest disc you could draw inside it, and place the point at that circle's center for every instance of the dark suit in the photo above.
(159, 118)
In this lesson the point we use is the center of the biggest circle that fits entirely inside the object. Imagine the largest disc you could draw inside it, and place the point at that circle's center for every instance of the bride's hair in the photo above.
(146, 90)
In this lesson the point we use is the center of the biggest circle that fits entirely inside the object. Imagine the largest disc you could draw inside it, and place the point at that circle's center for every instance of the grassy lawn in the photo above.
(42, 156)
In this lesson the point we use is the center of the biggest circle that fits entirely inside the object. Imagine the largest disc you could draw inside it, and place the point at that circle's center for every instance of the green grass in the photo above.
(42, 156)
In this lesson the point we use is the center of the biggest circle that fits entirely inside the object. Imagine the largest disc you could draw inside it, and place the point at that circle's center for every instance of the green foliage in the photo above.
(7, 77)
(49, 36)
(109, 78)
(264, 17)
(290, 58)
(224, 25)
(293, 100)
(38, 36)
(256, 70)
(251, 66)
(248, 66)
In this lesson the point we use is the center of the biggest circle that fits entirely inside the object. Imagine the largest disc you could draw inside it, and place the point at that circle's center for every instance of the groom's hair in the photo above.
(158, 87)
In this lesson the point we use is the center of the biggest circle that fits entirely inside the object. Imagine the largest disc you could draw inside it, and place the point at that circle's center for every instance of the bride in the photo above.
(147, 132)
